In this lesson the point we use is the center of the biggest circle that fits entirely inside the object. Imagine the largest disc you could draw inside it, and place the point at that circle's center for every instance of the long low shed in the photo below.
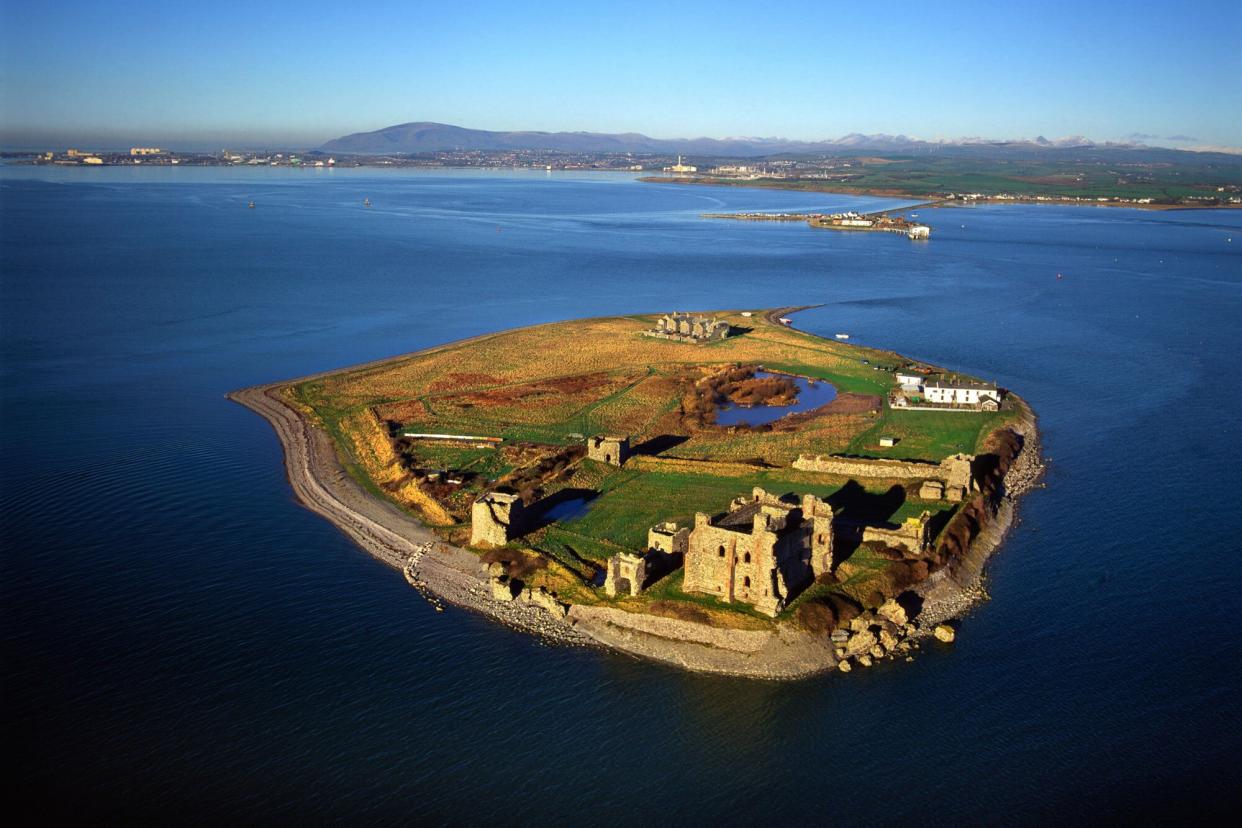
(466, 438)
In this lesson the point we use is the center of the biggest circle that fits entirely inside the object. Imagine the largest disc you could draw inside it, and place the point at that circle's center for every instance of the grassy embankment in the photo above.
(546, 386)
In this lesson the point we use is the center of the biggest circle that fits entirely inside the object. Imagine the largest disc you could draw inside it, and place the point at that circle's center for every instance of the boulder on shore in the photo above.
(542, 598)
(861, 623)
(860, 642)
(945, 633)
(888, 639)
(844, 665)
(502, 589)
(892, 611)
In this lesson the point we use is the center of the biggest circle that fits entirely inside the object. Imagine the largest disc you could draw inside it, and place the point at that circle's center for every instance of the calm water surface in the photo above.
(810, 395)
(183, 642)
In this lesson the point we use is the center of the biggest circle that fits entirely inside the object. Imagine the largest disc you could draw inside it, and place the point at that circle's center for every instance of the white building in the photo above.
(679, 167)
(960, 392)
(910, 381)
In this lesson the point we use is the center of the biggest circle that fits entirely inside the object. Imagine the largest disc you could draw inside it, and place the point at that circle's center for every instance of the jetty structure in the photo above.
(571, 480)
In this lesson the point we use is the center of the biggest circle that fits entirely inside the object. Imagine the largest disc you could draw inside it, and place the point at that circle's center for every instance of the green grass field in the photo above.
(631, 502)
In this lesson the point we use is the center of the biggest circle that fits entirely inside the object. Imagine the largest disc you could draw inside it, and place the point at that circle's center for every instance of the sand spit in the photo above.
(399, 540)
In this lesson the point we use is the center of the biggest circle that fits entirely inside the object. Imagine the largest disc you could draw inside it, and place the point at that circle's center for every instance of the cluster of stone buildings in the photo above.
(687, 327)
(915, 390)
(763, 551)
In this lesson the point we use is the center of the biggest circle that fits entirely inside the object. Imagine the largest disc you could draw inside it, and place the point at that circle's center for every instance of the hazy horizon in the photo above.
(295, 76)
(119, 141)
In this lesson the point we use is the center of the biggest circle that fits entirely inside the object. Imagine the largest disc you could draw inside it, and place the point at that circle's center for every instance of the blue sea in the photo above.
(183, 643)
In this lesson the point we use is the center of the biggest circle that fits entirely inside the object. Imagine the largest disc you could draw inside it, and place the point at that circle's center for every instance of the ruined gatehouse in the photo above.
(629, 572)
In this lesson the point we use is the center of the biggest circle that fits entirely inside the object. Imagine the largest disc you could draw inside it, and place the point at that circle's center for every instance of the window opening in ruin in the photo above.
(747, 558)
(721, 553)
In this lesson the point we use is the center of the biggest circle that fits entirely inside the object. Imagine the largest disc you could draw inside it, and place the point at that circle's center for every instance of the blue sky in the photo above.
(215, 73)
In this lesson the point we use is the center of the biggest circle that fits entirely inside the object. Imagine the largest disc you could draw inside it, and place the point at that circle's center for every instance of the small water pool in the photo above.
(569, 509)
(811, 394)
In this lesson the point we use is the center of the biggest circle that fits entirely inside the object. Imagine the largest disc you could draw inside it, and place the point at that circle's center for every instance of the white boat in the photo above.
(843, 336)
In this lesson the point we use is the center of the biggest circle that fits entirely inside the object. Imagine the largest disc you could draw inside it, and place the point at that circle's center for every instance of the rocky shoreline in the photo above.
(443, 573)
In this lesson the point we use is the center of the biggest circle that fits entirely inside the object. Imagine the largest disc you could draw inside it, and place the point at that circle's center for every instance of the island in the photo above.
(719, 491)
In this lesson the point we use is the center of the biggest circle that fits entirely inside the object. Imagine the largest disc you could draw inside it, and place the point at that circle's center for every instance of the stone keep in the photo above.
(496, 518)
(611, 450)
(762, 552)
(627, 573)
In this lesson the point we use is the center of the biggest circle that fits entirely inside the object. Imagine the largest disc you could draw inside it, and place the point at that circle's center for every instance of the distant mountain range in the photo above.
(431, 137)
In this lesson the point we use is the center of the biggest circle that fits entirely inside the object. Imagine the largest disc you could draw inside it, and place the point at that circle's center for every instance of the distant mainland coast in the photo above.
(930, 201)
(472, 468)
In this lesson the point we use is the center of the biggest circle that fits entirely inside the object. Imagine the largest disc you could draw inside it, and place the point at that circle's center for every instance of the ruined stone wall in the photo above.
(858, 467)
(912, 535)
(681, 465)
(954, 472)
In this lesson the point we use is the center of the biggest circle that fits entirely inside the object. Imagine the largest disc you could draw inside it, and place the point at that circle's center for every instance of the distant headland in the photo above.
(719, 491)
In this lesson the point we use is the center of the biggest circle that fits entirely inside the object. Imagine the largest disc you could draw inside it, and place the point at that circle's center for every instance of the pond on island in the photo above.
(811, 394)
(568, 509)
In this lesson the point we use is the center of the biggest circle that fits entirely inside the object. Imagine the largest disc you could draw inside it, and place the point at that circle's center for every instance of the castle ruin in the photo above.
(497, 518)
(763, 551)
(686, 327)
(611, 450)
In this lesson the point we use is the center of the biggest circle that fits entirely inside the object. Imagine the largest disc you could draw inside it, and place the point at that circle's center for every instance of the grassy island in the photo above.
(435, 431)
